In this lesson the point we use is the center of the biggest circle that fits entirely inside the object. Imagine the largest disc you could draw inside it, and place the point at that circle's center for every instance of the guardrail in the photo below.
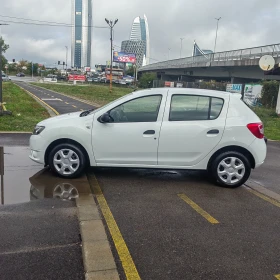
(242, 54)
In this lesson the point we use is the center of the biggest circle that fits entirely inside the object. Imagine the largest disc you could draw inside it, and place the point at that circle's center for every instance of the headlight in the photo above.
(38, 129)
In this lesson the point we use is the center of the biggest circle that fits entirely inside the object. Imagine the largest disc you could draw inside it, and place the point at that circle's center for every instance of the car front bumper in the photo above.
(37, 149)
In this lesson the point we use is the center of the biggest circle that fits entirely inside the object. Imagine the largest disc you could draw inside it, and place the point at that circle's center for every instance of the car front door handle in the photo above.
(149, 132)
(213, 132)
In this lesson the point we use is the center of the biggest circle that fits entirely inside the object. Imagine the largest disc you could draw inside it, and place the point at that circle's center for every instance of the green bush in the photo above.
(269, 93)
(146, 80)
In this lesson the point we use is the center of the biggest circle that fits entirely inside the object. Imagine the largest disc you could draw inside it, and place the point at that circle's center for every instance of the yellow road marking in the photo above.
(66, 103)
(81, 110)
(277, 276)
(198, 209)
(74, 106)
(266, 198)
(129, 267)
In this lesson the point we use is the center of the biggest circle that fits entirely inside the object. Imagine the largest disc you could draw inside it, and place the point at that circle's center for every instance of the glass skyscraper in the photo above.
(81, 33)
(140, 32)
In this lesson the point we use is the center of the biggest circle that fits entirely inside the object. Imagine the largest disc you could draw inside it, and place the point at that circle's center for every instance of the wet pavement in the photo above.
(173, 238)
(40, 233)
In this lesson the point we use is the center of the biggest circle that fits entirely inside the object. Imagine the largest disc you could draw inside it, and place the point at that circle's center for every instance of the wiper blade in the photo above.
(85, 113)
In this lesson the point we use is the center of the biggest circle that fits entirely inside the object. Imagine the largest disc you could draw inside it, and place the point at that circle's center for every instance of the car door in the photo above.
(131, 138)
(192, 126)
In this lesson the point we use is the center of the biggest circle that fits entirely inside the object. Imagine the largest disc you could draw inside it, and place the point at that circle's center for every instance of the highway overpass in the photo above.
(236, 66)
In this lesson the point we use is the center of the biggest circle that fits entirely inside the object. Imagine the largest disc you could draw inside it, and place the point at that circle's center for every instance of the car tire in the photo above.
(67, 160)
(230, 169)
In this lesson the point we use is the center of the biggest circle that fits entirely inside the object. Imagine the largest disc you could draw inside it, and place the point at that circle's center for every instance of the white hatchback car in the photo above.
(157, 128)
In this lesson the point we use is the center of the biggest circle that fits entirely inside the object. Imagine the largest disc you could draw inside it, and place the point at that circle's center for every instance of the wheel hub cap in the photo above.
(231, 170)
(66, 162)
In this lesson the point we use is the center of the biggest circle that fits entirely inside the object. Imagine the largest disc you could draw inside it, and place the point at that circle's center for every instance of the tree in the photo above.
(35, 68)
(269, 93)
(146, 80)
(130, 71)
(4, 48)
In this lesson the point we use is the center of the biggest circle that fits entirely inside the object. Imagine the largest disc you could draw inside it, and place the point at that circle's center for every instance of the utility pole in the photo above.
(66, 57)
(1, 92)
(168, 52)
(181, 46)
(218, 19)
(111, 25)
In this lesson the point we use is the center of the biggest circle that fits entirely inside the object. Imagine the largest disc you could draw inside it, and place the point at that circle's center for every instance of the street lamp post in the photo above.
(168, 52)
(111, 25)
(218, 19)
(1, 93)
(181, 46)
(66, 57)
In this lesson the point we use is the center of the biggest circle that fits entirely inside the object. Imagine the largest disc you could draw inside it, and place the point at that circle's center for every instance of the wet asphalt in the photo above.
(61, 103)
(168, 239)
(40, 240)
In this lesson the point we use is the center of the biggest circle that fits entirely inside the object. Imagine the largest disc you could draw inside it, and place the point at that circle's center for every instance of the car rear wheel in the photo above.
(67, 160)
(230, 169)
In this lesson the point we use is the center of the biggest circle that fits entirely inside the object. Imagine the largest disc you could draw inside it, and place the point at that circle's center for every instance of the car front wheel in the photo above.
(67, 160)
(230, 169)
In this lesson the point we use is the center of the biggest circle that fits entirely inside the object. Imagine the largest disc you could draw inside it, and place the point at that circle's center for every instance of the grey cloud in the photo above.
(244, 24)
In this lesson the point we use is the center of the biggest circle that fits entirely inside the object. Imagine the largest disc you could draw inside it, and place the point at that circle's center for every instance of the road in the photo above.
(169, 239)
(61, 103)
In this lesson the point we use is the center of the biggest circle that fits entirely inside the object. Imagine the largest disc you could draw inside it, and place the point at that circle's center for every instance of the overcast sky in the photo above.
(244, 24)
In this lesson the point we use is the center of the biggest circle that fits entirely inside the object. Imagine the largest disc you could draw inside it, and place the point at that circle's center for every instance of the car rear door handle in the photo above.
(149, 132)
(213, 131)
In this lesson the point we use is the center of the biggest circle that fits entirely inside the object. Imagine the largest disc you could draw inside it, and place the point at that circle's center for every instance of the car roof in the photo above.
(195, 91)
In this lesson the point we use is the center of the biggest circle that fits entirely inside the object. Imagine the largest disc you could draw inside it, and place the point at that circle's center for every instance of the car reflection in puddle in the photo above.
(46, 185)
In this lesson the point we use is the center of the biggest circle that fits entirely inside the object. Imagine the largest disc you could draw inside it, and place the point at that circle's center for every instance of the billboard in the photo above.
(124, 57)
(81, 78)
(252, 94)
(234, 88)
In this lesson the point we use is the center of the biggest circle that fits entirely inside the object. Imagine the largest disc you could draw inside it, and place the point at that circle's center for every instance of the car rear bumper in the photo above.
(259, 149)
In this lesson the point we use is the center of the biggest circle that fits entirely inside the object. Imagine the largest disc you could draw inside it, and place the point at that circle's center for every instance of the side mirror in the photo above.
(106, 118)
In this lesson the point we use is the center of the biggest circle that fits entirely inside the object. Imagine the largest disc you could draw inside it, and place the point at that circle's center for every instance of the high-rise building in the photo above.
(139, 42)
(81, 33)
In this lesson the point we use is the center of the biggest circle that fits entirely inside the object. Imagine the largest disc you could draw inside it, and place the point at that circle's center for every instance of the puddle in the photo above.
(24, 180)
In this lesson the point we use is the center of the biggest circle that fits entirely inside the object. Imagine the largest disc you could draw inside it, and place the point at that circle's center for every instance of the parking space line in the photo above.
(266, 198)
(128, 265)
(277, 276)
(198, 209)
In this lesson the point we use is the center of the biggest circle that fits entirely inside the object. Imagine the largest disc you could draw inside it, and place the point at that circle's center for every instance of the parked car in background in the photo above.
(20, 74)
(174, 128)
(5, 77)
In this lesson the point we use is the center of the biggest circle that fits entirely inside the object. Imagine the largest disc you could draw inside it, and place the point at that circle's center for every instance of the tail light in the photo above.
(257, 129)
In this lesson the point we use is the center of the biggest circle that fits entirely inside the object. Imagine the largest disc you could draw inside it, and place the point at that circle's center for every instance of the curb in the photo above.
(52, 112)
(261, 189)
(75, 98)
(98, 259)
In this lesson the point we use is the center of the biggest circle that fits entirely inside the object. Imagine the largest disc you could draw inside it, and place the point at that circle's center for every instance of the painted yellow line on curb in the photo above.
(198, 209)
(128, 265)
(74, 106)
(34, 96)
(266, 198)
(277, 276)
(66, 103)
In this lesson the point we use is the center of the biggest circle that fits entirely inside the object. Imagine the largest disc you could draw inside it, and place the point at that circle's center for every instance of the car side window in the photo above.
(143, 109)
(194, 108)
(216, 107)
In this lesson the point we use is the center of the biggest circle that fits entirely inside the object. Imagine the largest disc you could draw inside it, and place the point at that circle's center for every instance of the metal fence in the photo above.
(242, 54)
